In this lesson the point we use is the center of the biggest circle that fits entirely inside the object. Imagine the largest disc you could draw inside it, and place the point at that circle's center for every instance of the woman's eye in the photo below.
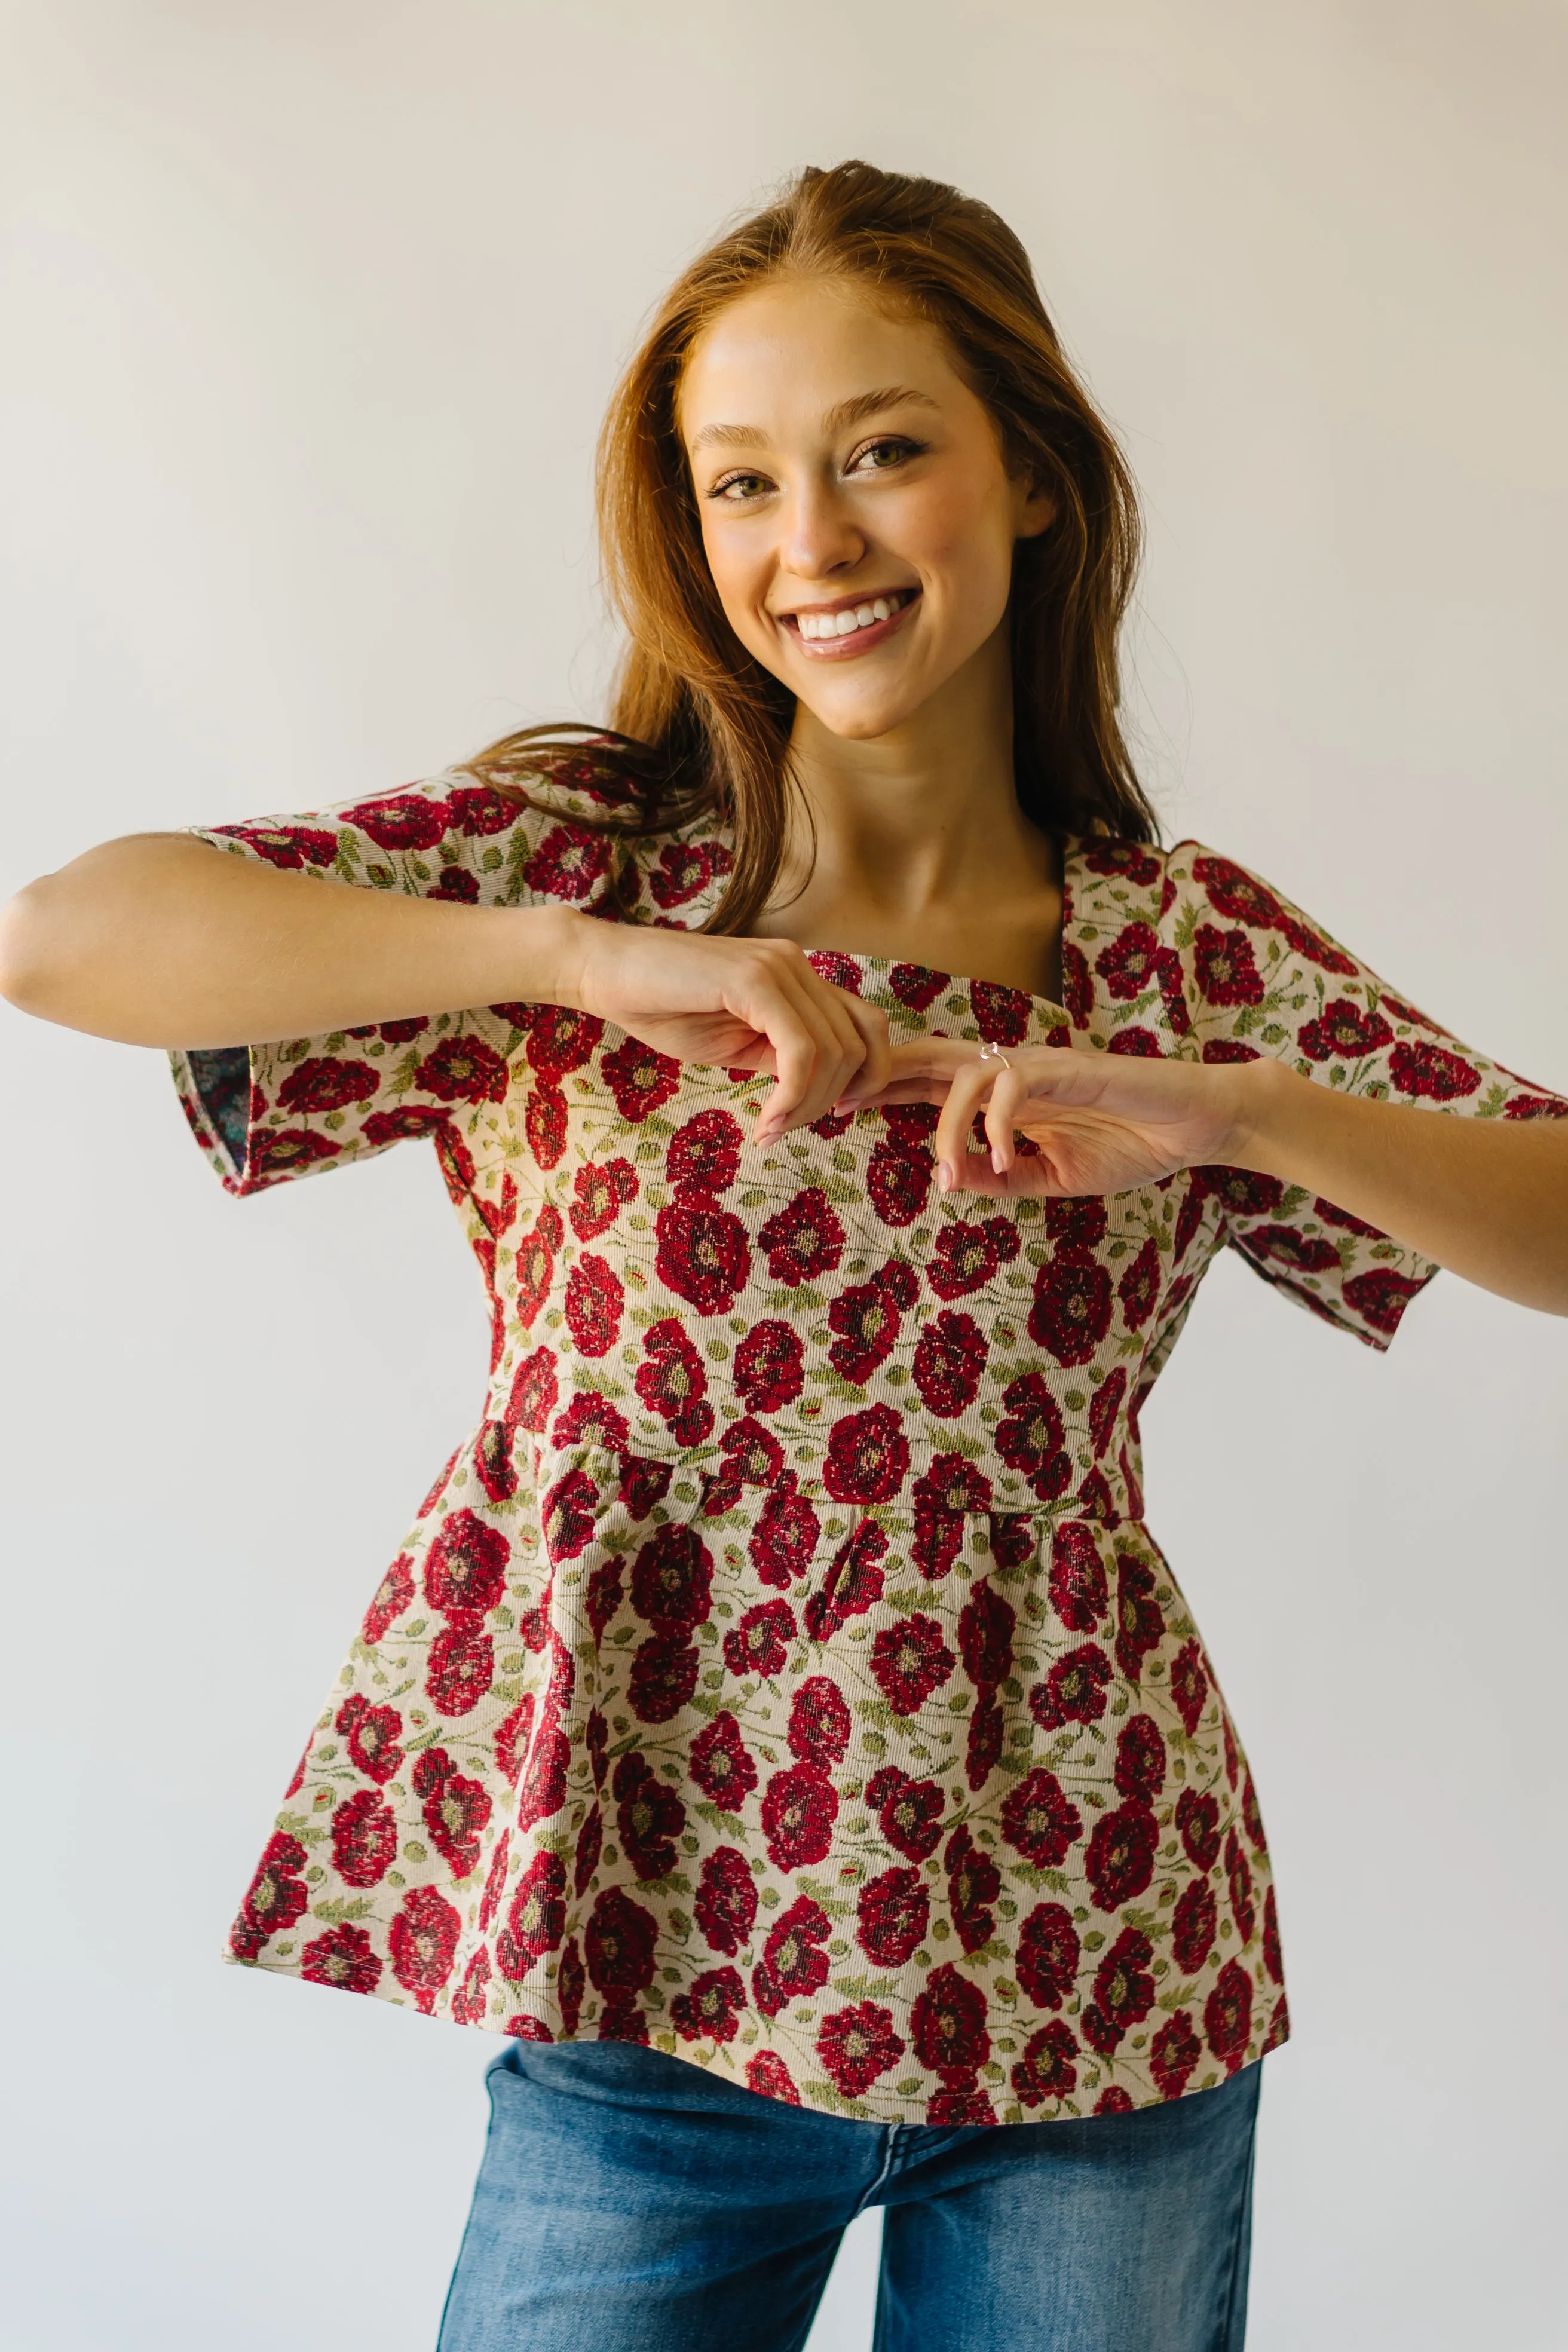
(878, 456)
(739, 487)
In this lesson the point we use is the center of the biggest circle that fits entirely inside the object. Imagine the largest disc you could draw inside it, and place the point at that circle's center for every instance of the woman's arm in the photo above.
(159, 939)
(1488, 1198)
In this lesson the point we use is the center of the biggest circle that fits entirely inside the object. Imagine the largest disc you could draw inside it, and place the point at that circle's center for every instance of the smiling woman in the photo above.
(779, 1723)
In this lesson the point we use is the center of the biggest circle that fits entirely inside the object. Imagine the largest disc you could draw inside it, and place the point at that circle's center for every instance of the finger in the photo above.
(972, 1082)
(812, 1054)
(918, 1072)
(876, 1066)
(1008, 1097)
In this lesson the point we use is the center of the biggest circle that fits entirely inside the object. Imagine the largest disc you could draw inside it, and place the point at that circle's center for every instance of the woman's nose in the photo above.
(820, 535)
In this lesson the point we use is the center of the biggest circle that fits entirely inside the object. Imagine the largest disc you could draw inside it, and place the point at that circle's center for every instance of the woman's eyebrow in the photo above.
(836, 419)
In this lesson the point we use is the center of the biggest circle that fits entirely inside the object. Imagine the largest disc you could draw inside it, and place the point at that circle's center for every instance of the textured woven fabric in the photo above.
(783, 1672)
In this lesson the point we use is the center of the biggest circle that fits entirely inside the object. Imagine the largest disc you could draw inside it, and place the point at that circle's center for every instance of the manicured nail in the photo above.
(943, 1176)
(998, 1159)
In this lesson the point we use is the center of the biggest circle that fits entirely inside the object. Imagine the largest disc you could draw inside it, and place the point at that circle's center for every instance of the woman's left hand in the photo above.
(1099, 1122)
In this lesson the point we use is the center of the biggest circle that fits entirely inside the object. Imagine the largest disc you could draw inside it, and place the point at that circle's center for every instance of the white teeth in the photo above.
(814, 625)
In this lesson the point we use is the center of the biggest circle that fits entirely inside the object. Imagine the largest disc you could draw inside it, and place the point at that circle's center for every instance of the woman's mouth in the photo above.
(854, 626)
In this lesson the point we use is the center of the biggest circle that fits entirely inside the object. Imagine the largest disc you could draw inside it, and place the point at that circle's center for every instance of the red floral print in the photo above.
(720, 1764)
(799, 1807)
(1227, 968)
(1048, 2067)
(1048, 1955)
(460, 1671)
(711, 2010)
(950, 1357)
(672, 1580)
(973, 1882)
(704, 1155)
(769, 1367)
(1228, 2015)
(364, 1839)
(1119, 1861)
(345, 1957)
(858, 2045)
(456, 1810)
(640, 1080)
(893, 1911)
(1039, 1821)
(1078, 1587)
(726, 1905)
(1139, 1621)
(1140, 1758)
(568, 862)
(536, 1916)
(648, 1815)
(422, 1941)
(662, 1679)
(794, 1963)
(1173, 2053)
(911, 1661)
(465, 1570)
(1071, 1313)
(703, 1255)
(373, 1733)
(1343, 1028)
(1074, 1690)
(948, 2023)
(819, 1723)
(804, 1241)
(899, 1181)
(759, 1644)
(1029, 1438)
(868, 1457)
(594, 1299)
(968, 1256)
(767, 2073)
(618, 1944)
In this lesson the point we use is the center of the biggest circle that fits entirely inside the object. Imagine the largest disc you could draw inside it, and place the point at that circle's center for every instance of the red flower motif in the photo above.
(1123, 1990)
(618, 1944)
(598, 1196)
(1140, 1758)
(1251, 1815)
(590, 1846)
(948, 2023)
(726, 1905)
(1077, 1586)
(758, 1644)
(342, 1957)
(464, 1069)
(1533, 1107)
(364, 1839)
(570, 1986)
(1174, 2052)
(373, 1733)
(1344, 1029)
(594, 1299)
(1078, 987)
(649, 1816)
(1049, 2068)
(703, 1254)
(1197, 1821)
(968, 1256)
(818, 1722)
(782, 1544)
(536, 1917)
(1048, 1955)
(460, 1670)
(753, 1456)
(495, 1880)
(916, 985)
(986, 1635)
(893, 1912)
(1119, 1861)
(393, 1596)
(719, 1764)
(643, 1484)
(544, 1790)
(1431, 1073)
(470, 2000)
(973, 1882)
(422, 1941)
(320, 1086)
(1030, 1437)
(1113, 2102)
(673, 1383)
(495, 1462)
(910, 1812)
(950, 1357)
(512, 1735)
(407, 821)
(1189, 1686)
(1039, 1821)
(285, 1150)
(868, 1457)
(1074, 1689)
(1140, 1621)
(590, 1420)
(639, 1079)
(1228, 2015)
(1227, 968)
(390, 1126)
(1291, 1247)
(770, 1366)
(1013, 1539)
(685, 868)
(662, 1679)
(569, 1514)
(456, 882)
(288, 845)
(1239, 1879)
(898, 1180)
(793, 1965)
(858, 2045)
(465, 1570)
(704, 1155)
(1071, 1311)
(569, 860)
(1380, 1298)
(804, 1241)
(479, 809)
(561, 1039)
(910, 1660)
(1104, 1407)
(708, 2011)
(457, 1810)
(800, 1806)
(544, 1123)
(1273, 1958)
(1243, 1192)
(866, 1318)
(1237, 893)
(1139, 1288)
(672, 1580)
(1001, 1014)
(767, 2073)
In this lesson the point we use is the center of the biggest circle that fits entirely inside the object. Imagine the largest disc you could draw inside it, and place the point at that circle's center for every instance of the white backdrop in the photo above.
(312, 307)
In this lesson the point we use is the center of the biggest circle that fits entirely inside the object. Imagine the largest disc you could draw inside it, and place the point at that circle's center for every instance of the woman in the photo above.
(782, 1678)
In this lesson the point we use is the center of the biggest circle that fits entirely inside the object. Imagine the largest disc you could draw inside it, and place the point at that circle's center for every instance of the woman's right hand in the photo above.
(735, 1003)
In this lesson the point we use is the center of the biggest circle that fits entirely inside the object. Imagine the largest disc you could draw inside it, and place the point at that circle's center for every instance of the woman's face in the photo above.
(858, 519)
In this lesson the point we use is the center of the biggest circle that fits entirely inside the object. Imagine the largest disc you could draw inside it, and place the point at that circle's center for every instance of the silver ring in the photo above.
(990, 1053)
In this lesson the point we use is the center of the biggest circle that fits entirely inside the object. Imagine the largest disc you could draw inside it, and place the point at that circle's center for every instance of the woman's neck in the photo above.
(921, 851)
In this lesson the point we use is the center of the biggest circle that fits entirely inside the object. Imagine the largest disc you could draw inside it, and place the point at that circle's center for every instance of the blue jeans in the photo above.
(631, 2202)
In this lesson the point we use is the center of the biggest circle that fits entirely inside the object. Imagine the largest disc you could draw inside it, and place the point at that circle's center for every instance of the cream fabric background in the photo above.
(312, 312)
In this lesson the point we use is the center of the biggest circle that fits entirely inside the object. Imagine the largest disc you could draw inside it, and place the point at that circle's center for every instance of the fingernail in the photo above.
(998, 1163)
(943, 1176)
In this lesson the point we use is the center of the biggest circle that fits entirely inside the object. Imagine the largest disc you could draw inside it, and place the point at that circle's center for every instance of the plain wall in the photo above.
(310, 312)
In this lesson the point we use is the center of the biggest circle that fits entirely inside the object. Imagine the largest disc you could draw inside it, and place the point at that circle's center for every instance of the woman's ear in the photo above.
(1035, 510)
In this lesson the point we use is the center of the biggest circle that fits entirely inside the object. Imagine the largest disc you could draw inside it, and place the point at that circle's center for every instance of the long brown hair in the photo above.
(700, 727)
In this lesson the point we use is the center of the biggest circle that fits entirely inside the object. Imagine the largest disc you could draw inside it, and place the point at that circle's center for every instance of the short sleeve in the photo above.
(297, 1106)
(1259, 978)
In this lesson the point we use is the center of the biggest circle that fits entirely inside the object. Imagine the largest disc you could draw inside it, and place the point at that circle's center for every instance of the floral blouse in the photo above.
(782, 1673)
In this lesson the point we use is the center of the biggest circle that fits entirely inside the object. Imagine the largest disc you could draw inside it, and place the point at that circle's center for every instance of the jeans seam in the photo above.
(1227, 2340)
(889, 2151)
